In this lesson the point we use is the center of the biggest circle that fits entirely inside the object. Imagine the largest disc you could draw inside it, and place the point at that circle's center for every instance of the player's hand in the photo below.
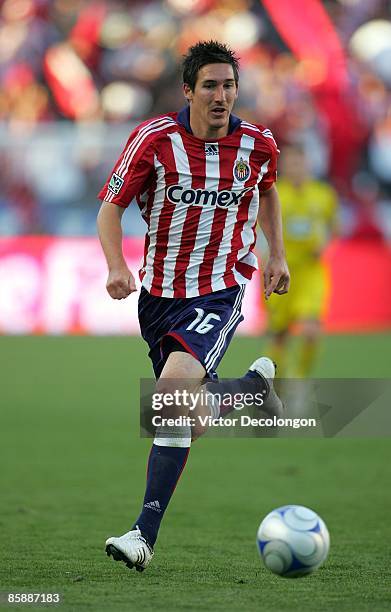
(276, 277)
(120, 283)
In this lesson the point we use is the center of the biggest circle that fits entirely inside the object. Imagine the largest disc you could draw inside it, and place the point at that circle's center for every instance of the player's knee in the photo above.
(173, 398)
(165, 386)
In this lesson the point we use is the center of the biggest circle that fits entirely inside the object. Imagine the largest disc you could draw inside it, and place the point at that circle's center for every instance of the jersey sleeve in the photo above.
(270, 177)
(133, 169)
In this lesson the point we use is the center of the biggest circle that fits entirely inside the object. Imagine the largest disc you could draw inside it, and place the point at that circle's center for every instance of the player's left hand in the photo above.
(276, 277)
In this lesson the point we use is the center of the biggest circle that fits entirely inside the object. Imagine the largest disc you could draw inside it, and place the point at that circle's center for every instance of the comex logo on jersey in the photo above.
(204, 197)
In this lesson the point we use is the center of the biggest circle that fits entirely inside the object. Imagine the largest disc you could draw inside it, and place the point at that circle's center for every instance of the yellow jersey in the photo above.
(308, 217)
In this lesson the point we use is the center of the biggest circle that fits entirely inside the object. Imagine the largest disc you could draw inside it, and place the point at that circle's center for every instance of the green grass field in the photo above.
(73, 471)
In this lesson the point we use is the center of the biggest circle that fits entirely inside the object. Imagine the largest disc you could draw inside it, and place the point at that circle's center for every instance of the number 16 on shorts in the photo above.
(202, 324)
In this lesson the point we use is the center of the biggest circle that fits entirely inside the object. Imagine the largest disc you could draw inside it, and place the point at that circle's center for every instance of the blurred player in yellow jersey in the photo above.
(309, 213)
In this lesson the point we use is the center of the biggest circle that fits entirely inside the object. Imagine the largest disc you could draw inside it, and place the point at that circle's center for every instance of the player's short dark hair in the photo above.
(207, 52)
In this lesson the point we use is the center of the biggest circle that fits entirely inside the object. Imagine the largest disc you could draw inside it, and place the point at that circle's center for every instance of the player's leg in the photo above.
(171, 444)
(210, 341)
(166, 462)
(310, 304)
(309, 345)
(277, 349)
(204, 327)
(257, 381)
(279, 319)
(182, 371)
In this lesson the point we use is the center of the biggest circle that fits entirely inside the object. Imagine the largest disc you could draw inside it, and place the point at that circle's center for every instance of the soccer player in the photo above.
(309, 210)
(198, 176)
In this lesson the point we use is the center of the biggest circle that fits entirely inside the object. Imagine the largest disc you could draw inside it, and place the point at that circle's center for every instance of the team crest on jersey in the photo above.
(115, 183)
(241, 170)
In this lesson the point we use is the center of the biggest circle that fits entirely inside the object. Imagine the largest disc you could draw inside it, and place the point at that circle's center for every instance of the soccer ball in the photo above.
(293, 541)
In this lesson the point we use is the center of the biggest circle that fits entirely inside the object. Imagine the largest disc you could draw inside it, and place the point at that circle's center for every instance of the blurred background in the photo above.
(77, 75)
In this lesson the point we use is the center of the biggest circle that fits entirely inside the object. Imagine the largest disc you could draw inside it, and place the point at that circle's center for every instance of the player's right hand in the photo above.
(120, 284)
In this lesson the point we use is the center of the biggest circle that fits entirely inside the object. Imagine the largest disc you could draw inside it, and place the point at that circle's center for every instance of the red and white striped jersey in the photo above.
(199, 199)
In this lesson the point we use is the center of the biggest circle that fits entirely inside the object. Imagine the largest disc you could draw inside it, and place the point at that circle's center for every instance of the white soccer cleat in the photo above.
(266, 369)
(264, 366)
(131, 548)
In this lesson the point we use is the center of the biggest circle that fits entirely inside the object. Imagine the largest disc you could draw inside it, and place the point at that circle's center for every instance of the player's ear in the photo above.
(187, 92)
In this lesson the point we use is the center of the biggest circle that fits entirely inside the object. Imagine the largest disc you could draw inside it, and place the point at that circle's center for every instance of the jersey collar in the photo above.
(183, 118)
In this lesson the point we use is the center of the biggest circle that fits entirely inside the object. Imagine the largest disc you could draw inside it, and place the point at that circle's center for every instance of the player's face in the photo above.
(212, 100)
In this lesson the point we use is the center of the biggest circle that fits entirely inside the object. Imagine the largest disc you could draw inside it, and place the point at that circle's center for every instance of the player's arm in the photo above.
(120, 281)
(276, 273)
(129, 175)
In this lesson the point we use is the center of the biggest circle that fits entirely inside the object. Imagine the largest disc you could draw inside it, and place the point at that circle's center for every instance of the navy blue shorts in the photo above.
(202, 326)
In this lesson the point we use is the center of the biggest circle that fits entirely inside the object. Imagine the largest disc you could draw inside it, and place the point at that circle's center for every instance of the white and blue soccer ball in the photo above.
(293, 541)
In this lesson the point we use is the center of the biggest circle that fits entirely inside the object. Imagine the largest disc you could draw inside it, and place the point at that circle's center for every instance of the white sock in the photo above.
(173, 436)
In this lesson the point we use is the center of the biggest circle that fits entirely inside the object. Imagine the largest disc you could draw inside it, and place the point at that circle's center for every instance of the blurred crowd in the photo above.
(76, 75)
